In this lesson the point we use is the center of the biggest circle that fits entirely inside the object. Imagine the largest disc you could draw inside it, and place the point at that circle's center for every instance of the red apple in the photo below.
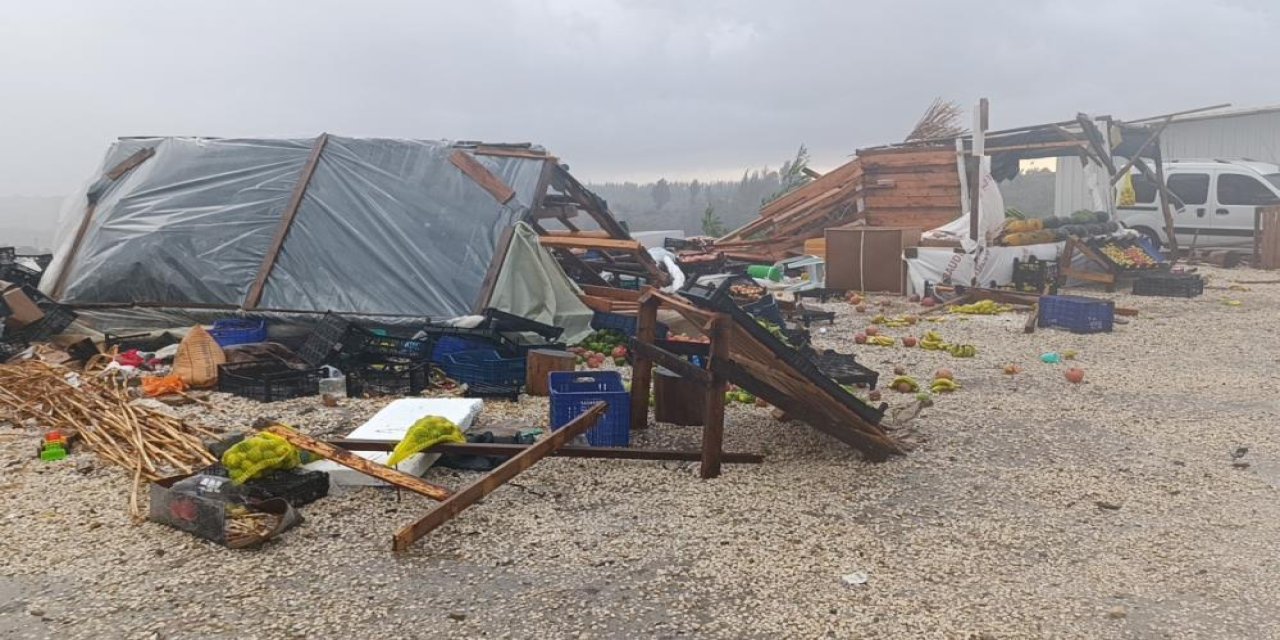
(909, 341)
(619, 352)
(872, 330)
(860, 338)
(1075, 375)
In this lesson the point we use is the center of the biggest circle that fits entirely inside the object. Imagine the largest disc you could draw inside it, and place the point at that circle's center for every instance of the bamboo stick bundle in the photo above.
(148, 443)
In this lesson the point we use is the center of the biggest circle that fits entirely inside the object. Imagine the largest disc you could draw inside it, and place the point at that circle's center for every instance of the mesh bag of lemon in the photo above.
(424, 434)
(254, 456)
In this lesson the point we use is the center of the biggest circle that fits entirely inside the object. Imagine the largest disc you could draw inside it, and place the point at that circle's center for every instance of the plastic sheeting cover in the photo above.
(386, 226)
(189, 225)
(393, 227)
(532, 285)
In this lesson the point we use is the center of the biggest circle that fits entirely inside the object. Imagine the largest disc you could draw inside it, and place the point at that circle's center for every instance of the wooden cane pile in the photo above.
(97, 412)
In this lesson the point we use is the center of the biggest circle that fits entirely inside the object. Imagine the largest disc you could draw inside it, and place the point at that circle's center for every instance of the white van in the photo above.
(1219, 200)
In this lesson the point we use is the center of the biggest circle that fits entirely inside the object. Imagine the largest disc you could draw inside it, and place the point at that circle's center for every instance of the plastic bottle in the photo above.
(334, 384)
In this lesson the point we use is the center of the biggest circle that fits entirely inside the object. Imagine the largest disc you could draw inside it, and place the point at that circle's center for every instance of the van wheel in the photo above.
(1151, 236)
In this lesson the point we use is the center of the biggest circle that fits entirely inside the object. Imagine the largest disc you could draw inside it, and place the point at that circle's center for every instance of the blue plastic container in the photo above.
(626, 325)
(449, 345)
(1077, 314)
(232, 331)
(573, 392)
(484, 367)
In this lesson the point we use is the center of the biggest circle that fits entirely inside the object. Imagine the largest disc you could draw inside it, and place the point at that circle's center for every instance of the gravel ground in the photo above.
(1030, 508)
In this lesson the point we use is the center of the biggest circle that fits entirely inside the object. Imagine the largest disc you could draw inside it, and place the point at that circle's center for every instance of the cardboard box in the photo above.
(865, 258)
(21, 309)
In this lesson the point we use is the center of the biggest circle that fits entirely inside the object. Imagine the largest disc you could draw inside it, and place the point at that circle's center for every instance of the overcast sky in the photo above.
(619, 89)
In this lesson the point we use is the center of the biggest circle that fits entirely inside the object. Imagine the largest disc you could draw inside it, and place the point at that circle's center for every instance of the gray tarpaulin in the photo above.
(386, 227)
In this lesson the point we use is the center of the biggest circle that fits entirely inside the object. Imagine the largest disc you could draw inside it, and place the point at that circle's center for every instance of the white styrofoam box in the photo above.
(389, 425)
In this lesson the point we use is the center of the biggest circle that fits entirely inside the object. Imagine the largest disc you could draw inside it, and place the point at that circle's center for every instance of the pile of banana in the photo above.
(894, 323)
(905, 384)
(962, 350)
(932, 341)
(880, 341)
(982, 308)
(944, 385)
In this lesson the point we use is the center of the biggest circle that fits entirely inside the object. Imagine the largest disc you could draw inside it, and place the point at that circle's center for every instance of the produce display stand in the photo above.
(743, 352)
(1111, 273)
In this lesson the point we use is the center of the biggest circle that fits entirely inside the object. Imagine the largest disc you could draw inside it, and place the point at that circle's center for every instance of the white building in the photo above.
(1227, 134)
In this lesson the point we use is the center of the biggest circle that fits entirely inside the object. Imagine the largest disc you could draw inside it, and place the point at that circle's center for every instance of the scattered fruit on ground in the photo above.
(909, 341)
(963, 350)
(982, 307)
(943, 385)
(905, 384)
(860, 308)
(874, 396)
(899, 370)
(928, 302)
(1011, 369)
(1075, 375)
(881, 341)
(872, 330)
(944, 374)
(924, 399)
(913, 298)
(932, 341)
(1069, 355)
(860, 338)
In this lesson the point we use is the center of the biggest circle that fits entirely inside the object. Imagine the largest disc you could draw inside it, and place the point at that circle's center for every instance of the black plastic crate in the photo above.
(843, 368)
(369, 344)
(821, 294)
(297, 487)
(810, 316)
(56, 319)
(268, 380)
(327, 338)
(1035, 276)
(20, 274)
(386, 377)
(1170, 285)
(507, 392)
(501, 321)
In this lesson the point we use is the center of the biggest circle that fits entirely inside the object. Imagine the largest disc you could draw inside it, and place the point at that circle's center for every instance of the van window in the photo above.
(1144, 191)
(1236, 188)
(1191, 188)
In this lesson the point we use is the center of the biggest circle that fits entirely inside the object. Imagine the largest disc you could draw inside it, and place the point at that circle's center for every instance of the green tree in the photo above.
(711, 223)
(793, 175)
(661, 193)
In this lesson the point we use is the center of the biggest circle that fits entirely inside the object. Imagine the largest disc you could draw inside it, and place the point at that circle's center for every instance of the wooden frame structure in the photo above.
(740, 353)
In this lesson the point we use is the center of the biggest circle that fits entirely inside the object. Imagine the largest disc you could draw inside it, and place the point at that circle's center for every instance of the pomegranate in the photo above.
(909, 341)
(872, 330)
(1075, 375)
(860, 338)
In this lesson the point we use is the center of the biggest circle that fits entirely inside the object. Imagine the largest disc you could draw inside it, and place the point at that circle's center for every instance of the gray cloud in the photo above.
(617, 88)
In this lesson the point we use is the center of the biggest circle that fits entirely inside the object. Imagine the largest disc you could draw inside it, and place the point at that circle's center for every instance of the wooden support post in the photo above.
(445, 511)
(1169, 227)
(286, 222)
(642, 365)
(719, 330)
(678, 401)
(367, 467)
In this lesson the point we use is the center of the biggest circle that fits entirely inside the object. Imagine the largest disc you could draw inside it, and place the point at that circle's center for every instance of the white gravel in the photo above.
(1003, 523)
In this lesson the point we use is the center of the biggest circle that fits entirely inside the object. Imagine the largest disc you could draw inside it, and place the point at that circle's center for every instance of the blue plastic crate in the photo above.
(232, 331)
(449, 345)
(484, 367)
(573, 392)
(1077, 314)
(626, 325)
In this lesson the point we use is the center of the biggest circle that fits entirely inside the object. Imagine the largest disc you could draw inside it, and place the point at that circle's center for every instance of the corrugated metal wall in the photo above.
(1254, 136)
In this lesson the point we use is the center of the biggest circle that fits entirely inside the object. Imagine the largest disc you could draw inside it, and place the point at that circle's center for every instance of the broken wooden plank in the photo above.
(445, 511)
(568, 451)
(368, 467)
(671, 361)
(482, 176)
